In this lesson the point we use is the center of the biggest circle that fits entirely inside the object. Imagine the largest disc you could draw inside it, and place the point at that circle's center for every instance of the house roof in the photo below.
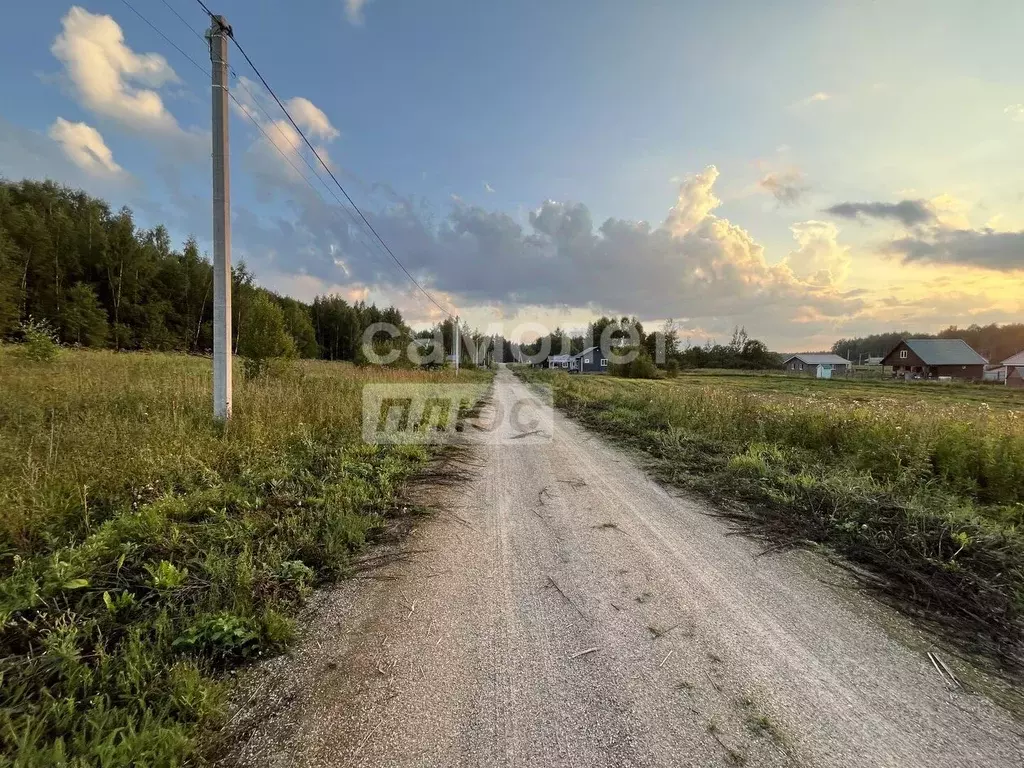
(819, 359)
(944, 352)
(559, 358)
(1017, 359)
(586, 351)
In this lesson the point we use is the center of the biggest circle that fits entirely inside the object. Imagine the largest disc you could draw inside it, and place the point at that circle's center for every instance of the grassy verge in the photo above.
(860, 389)
(144, 549)
(928, 494)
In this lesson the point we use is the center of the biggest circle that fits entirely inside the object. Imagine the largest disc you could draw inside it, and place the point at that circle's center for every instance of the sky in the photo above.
(807, 170)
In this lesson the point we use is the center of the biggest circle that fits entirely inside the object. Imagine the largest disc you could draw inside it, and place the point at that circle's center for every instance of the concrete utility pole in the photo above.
(218, 35)
(457, 345)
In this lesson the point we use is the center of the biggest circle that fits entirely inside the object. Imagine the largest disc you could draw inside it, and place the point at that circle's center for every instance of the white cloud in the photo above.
(488, 187)
(283, 136)
(819, 258)
(950, 212)
(310, 117)
(1015, 112)
(354, 10)
(84, 146)
(26, 154)
(694, 265)
(696, 200)
(282, 150)
(109, 78)
(815, 98)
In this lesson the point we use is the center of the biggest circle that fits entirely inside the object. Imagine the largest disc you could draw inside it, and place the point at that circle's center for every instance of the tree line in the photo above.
(98, 280)
(662, 348)
(993, 342)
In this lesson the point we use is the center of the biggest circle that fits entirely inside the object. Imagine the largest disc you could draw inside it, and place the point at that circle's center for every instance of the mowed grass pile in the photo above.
(145, 549)
(925, 489)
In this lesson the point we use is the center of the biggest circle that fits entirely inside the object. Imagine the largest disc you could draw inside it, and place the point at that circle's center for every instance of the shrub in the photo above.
(223, 636)
(640, 367)
(263, 336)
(41, 344)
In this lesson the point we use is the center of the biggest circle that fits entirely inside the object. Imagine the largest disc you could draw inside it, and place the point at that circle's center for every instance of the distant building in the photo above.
(936, 358)
(565, 362)
(1015, 370)
(590, 361)
(810, 363)
(874, 361)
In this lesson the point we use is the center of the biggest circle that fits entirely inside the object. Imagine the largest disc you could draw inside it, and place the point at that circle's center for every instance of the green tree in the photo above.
(300, 327)
(53, 239)
(264, 336)
(8, 287)
(83, 319)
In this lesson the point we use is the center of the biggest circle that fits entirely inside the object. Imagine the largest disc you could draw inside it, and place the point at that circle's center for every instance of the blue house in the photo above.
(589, 360)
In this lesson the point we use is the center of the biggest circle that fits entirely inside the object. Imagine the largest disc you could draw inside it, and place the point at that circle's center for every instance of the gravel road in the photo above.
(565, 610)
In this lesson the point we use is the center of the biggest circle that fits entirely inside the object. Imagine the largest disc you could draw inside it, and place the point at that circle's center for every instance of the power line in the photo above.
(333, 177)
(288, 160)
(246, 111)
(166, 38)
(182, 20)
(255, 100)
(234, 74)
(203, 6)
(241, 85)
(206, 72)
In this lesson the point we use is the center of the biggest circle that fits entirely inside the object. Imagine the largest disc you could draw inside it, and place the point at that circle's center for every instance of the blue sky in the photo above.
(491, 142)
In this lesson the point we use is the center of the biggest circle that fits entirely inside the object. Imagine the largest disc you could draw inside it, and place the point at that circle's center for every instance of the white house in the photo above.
(1015, 370)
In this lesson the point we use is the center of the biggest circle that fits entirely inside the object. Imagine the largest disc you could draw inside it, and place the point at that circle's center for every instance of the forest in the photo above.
(993, 342)
(662, 347)
(98, 280)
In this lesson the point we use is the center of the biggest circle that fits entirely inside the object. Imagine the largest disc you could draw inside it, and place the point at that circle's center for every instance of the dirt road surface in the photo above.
(565, 610)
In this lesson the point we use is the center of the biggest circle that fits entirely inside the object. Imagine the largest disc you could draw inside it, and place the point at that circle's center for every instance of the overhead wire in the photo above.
(203, 6)
(206, 72)
(182, 19)
(166, 38)
(330, 173)
(247, 112)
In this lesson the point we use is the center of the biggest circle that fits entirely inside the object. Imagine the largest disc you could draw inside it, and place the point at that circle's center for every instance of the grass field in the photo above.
(922, 483)
(864, 389)
(145, 549)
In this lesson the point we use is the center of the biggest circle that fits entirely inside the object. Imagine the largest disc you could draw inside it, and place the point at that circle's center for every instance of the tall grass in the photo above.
(928, 492)
(144, 548)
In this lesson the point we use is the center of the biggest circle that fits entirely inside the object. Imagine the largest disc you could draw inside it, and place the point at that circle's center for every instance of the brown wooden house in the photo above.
(1015, 370)
(935, 358)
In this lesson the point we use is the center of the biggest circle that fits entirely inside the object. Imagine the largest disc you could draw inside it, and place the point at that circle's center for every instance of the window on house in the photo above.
(565, 365)
(903, 354)
(586, 360)
(604, 363)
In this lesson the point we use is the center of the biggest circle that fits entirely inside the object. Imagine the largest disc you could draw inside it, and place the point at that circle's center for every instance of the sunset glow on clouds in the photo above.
(811, 198)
